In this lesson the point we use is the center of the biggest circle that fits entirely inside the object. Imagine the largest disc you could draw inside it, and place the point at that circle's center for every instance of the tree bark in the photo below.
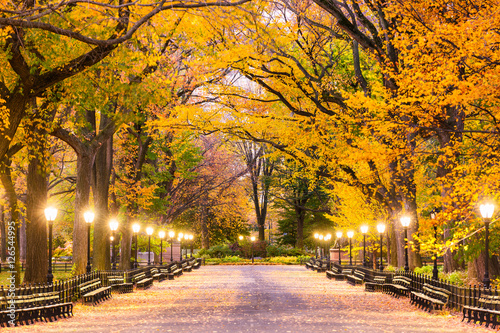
(82, 194)
(3, 255)
(36, 202)
(102, 172)
(8, 185)
(205, 238)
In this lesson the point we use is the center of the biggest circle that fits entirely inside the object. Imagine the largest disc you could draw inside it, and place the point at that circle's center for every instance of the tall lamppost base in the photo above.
(89, 268)
(50, 278)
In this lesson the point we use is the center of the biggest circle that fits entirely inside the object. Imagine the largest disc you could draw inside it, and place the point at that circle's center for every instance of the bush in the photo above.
(426, 270)
(217, 251)
(273, 251)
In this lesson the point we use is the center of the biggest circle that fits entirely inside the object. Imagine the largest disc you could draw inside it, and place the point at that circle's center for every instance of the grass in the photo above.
(4, 275)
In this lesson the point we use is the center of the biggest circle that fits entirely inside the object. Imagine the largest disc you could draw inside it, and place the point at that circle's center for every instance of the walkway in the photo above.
(253, 299)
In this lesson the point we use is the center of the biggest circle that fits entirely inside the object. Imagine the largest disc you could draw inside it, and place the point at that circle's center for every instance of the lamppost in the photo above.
(320, 248)
(405, 221)
(50, 215)
(327, 246)
(88, 216)
(149, 231)
(339, 236)
(435, 269)
(253, 240)
(350, 235)
(192, 244)
(316, 236)
(486, 213)
(113, 225)
(381, 229)
(364, 230)
(135, 228)
(171, 234)
(161, 234)
(179, 238)
(186, 237)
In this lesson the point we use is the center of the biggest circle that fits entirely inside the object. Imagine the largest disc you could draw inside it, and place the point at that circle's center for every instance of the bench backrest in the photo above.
(359, 274)
(379, 279)
(401, 280)
(347, 271)
(439, 293)
(335, 270)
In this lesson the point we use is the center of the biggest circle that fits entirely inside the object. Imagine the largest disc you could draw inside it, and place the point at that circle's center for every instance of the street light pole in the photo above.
(339, 236)
(171, 234)
(253, 240)
(89, 218)
(381, 229)
(181, 235)
(149, 231)
(316, 237)
(192, 244)
(161, 234)
(113, 225)
(350, 234)
(136, 227)
(364, 230)
(435, 269)
(50, 215)
(186, 237)
(487, 213)
(405, 221)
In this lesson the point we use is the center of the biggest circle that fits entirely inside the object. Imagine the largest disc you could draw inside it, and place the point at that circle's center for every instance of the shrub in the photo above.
(273, 251)
(426, 270)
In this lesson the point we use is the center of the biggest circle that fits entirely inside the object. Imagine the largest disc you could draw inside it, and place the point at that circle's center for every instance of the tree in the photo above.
(260, 168)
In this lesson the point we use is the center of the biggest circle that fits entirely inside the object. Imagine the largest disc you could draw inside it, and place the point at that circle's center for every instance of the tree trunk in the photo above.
(82, 194)
(36, 227)
(126, 245)
(10, 192)
(4, 237)
(22, 238)
(476, 268)
(102, 172)
(205, 238)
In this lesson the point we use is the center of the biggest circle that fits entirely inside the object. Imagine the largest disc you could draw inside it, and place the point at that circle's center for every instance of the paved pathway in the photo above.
(253, 299)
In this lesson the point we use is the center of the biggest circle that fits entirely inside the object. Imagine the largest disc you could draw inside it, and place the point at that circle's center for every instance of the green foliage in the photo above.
(217, 251)
(284, 251)
(390, 268)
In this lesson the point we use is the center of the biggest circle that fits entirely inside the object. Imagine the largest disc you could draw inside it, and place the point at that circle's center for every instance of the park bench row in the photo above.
(28, 307)
(430, 298)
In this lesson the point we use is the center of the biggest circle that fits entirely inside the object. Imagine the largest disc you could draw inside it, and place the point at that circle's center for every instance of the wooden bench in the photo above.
(197, 263)
(431, 298)
(35, 307)
(157, 275)
(335, 273)
(376, 284)
(118, 284)
(358, 277)
(168, 272)
(486, 311)
(321, 267)
(92, 291)
(310, 264)
(142, 281)
(399, 286)
(186, 267)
